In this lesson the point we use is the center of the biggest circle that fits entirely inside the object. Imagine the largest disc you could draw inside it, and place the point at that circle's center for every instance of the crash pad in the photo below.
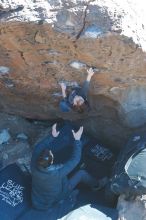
(15, 188)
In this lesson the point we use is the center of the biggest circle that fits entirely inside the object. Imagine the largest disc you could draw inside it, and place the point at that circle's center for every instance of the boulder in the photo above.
(132, 210)
(45, 42)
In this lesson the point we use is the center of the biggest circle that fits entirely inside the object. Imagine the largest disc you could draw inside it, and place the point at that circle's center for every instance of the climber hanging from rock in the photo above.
(77, 99)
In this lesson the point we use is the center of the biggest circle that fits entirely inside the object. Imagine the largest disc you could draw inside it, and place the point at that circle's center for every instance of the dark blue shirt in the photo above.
(67, 103)
(49, 185)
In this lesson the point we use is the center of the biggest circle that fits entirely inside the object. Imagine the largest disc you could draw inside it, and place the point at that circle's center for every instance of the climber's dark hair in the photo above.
(45, 159)
(81, 108)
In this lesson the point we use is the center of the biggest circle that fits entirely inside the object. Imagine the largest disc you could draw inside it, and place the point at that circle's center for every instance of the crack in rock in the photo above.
(84, 20)
(22, 56)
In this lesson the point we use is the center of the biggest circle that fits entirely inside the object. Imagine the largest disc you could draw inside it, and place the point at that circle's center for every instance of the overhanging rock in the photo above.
(44, 42)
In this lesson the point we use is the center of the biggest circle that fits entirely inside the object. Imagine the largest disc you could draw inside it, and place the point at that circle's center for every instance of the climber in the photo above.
(77, 99)
(50, 183)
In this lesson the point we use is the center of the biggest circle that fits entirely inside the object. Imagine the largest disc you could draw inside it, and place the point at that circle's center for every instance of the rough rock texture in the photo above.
(44, 42)
(132, 210)
(17, 138)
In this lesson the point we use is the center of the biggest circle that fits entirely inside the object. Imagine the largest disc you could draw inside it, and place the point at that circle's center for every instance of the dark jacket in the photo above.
(67, 103)
(49, 185)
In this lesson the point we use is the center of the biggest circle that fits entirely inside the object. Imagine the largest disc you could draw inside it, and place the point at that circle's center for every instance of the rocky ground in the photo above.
(132, 210)
(17, 139)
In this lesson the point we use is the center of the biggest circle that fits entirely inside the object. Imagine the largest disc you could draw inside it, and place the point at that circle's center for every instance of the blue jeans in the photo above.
(82, 176)
(64, 106)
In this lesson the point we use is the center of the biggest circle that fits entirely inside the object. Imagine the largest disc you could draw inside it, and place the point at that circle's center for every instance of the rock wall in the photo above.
(132, 210)
(45, 42)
